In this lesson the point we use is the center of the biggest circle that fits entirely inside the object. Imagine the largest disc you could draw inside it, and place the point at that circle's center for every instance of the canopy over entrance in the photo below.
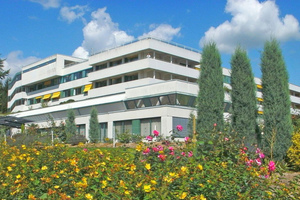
(14, 122)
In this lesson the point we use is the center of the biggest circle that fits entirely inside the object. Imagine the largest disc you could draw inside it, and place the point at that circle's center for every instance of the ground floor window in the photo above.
(184, 123)
(149, 125)
(102, 132)
(81, 129)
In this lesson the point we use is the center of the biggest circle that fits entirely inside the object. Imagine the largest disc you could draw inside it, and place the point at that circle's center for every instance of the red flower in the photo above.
(162, 157)
(155, 133)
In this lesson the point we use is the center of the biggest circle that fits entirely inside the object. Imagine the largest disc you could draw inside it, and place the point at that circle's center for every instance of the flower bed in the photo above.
(217, 169)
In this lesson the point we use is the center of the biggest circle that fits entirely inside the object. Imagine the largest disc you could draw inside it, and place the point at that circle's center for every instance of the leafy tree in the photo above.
(243, 96)
(94, 126)
(70, 124)
(210, 98)
(277, 117)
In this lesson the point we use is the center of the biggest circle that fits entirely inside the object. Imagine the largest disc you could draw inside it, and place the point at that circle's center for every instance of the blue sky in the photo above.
(35, 29)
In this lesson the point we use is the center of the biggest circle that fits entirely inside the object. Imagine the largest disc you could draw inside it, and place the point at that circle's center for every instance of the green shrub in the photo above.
(293, 153)
(127, 137)
(76, 139)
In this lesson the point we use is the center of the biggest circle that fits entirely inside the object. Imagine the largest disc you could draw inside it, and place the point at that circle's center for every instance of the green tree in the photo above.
(3, 73)
(243, 96)
(277, 117)
(3, 87)
(210, 98)
(94, 126)
(70, 124)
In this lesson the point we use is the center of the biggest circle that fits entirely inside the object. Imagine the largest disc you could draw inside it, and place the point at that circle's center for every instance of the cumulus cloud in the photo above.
(70, 14)
(101, 33)
(15, 61)
(251, 25)
(48, 3)
(163, 31)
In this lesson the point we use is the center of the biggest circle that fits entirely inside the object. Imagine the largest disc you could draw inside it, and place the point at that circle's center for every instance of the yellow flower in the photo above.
(23, 146)
(201, 185)
(18, 176)
(31, 196)
(224, 164)
(183, 195)
(202, 197)
(122, 184)
(153, 182)
(132, 167)
(9, 169)
(44, 168)
(56, 186)
(200, 167)
(104, 184)
(88, 196)
(139, 147)
(126, 192)
(148, 166)
(183, 169)
(147, 188)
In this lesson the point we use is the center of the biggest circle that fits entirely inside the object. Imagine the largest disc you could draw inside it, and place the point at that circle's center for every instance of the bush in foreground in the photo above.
(216, 169)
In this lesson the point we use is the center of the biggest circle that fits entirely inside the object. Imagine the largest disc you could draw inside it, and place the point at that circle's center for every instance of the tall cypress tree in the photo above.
(243, 96)
(70, 124)
(210, 100)
(94, 126)
(276, 104)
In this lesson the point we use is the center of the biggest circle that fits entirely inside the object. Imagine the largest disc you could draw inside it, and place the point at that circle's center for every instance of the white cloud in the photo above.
(15, 61)
(163, 31)
(48, 3)
(70, 14)
(251, 25)
(101, 33)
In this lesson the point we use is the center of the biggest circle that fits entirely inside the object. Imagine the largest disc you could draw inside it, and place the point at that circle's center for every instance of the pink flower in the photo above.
(183, 153)
(171, 148)
(149, 138)
(162, 157)
(186, 139)
(85, 150)
(257, 150)
(226, 139)
(215, 124)
(249, 163)
(190, 154)
(258, 161)
(155, 133)
(160, 148)
(179, 128)
(261, 155)
(172, 153)
(272, 166)
(155, 149)
(146, 151)
(178, 157)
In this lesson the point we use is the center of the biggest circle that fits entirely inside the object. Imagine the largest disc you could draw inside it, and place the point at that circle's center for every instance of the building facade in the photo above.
(139, 87)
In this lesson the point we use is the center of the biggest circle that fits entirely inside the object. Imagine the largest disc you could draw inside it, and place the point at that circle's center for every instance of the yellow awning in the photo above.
(55, 95)
(39, 97)
(47, 96)
(87, 87)
(260, 112)
(259, 86)
(260, 99)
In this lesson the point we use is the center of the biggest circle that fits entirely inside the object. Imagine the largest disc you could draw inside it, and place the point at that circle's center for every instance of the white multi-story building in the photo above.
(139, 87)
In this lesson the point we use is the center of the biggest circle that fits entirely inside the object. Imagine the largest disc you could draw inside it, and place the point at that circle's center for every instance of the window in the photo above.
(115, 63)
(131, 77)
(81, 129)
(184, 123)
(103, 132)
(115, 81)
(149, 125)
(123, 127)
(66, 93)
(77, 75)
(101, 84)
(102, 66)
(78, 91)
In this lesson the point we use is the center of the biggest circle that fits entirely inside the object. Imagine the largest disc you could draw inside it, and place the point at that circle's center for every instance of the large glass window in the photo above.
(123, 127)
(81, 129)
(101, 84)
(103, 132)
(184, 123)
(149, 125)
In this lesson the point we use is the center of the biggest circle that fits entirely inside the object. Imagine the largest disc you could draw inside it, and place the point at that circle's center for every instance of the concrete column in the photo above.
(87, 128)
(110, 129)
(171, 59)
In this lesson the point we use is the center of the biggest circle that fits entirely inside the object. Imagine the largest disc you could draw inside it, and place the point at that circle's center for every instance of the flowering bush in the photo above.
(217, 169)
